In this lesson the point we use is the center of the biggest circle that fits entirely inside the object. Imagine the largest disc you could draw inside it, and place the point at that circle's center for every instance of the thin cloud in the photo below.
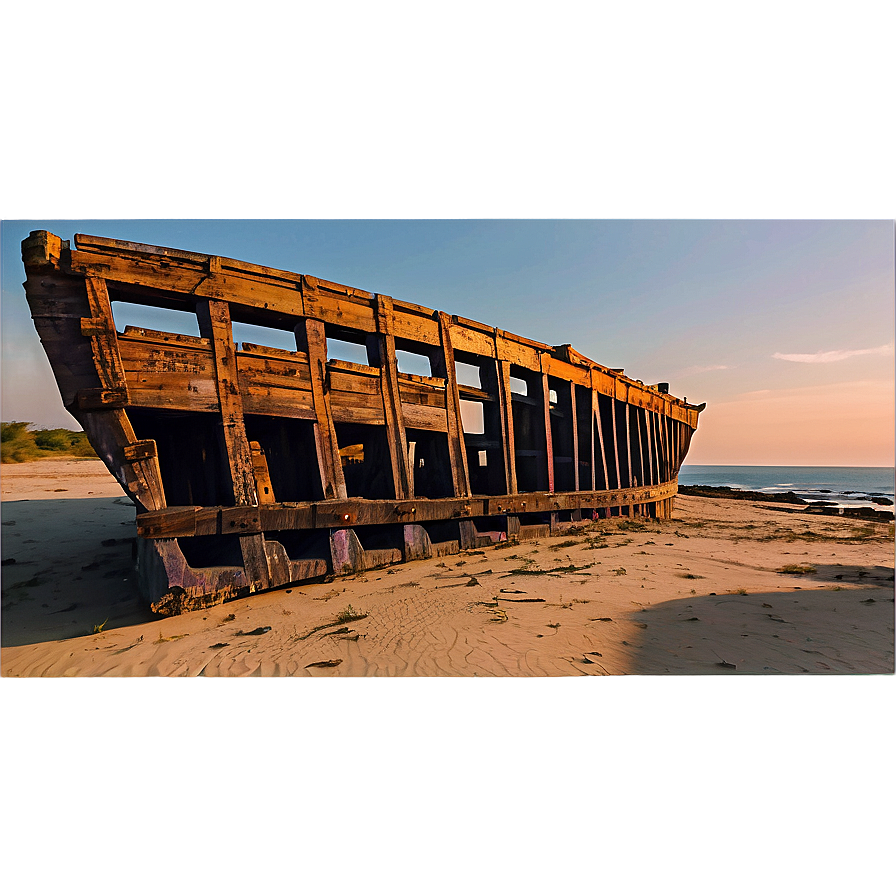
(830, 357)
(688, 371)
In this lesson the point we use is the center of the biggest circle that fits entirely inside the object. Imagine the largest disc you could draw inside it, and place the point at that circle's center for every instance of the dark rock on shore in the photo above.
(725, 491)
(825, 508)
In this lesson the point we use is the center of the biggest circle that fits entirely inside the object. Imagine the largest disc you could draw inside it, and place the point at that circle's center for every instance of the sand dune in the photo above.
(699, 594)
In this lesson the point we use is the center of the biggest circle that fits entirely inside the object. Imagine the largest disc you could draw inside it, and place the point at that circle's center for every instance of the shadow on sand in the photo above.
(67, 567)
(845, 629)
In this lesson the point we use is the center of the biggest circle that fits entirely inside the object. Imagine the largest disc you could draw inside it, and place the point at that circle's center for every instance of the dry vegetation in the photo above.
(20, 444)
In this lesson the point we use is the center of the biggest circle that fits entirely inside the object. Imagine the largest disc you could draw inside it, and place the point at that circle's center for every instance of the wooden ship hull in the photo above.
(254, 467)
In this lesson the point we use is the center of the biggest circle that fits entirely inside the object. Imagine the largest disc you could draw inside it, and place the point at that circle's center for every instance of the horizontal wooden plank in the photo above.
(581, 376)
(100, 399)
(414, 327)
(360, 384)
(336, 309)
(143, 334)
(266, 351)
(471, 393)
(435, 382)
(345, 409)
(191, 275)
(417, 416)
(464, 339)
(352, 367)
(182, 521)
(517, 352)
(164, 392)
(274, 401)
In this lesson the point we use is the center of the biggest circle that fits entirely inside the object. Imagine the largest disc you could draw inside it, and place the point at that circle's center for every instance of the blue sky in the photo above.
(648, 115)
(784, 328)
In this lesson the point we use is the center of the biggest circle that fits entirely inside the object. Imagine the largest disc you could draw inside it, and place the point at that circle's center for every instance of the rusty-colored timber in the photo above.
(253, 467)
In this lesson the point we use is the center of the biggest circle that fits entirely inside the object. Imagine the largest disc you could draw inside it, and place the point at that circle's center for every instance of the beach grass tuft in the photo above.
(350, 614)
(795, 569)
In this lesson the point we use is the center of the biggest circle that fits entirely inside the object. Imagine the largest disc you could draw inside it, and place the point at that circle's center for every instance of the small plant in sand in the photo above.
(97, 629)
(350, 614)
(795, 569)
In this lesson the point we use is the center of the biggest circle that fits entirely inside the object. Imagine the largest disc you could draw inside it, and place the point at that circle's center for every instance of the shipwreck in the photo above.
(253, 467)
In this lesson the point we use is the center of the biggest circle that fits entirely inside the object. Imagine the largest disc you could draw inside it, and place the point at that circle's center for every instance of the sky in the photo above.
(623, 177)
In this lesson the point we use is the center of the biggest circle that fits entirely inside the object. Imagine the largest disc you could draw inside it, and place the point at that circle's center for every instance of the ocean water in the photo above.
(842, 486)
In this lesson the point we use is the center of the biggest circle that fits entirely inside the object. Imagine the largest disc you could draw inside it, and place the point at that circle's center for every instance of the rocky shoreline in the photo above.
(824, 508)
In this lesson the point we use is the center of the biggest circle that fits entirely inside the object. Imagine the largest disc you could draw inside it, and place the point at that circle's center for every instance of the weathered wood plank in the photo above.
(214, 324)
(262, 474)
(575, 434)
(103, 338)
(506, 402)
(402, 476)
(418, 416)
(615, 442)
(443, 365)
(188, 521)
(312, 340)
(112, 436)
(465, 339)
(548, 438)
(595, 420)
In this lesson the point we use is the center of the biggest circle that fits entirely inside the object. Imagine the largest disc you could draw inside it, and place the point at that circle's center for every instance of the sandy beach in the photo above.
(726, 587)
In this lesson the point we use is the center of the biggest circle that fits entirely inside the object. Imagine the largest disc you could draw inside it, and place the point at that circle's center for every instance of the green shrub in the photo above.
(19, 444)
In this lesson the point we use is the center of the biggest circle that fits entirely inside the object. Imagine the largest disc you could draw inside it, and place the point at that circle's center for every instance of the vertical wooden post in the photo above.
(595, 411)
(664, 439)
(628, 444)
(311, 338)
(650, 452)
(103, 338)
(214, 325)
(111, 428)
(575, 437)
(402, 476)
(615, 441)
(639, 413)
(505, 397)
(591, 430)
(548, 438)
(457, 451)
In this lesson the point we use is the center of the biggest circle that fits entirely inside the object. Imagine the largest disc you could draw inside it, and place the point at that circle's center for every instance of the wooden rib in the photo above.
(402, 475)
(575, 437)
(595, 413)
(262, 474)
(615, 442)
(103, 339)
(649, 445)
(214, 325)
(548, 438)
(505, 397)
(591, 441)
(456, 450)
(214, 322)
(664, 450)
(111, 434)
(311, 339)
(643, 478)
(628, 444)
